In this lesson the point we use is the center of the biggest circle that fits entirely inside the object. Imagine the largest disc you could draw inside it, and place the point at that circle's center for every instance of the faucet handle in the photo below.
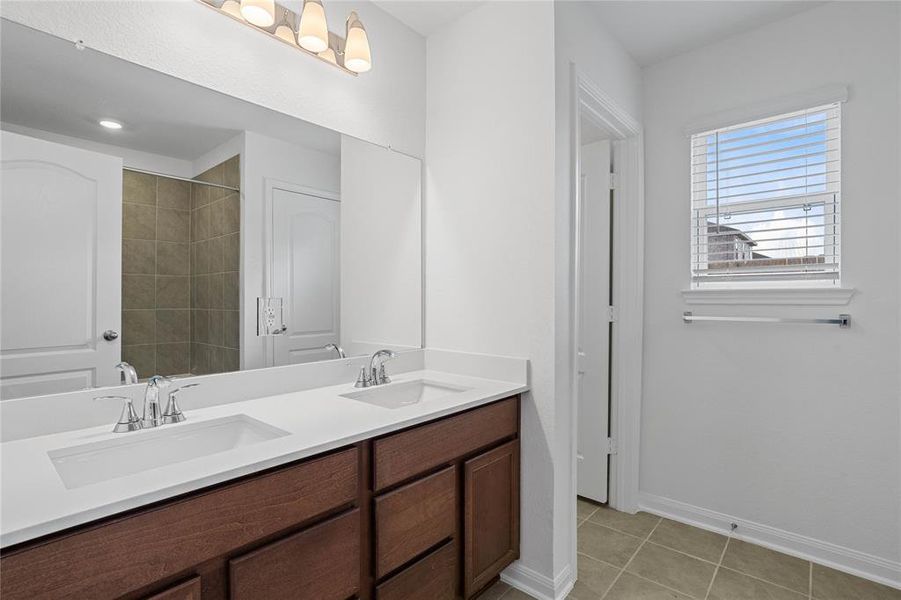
(128, 420)
(173, 413)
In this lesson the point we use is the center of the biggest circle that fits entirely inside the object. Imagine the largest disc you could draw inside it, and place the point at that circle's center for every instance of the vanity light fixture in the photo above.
(258, 12)
(357, 57)
(306, 31)
(110, 124)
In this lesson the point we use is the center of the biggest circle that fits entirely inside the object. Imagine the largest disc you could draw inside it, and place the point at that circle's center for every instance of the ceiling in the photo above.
(48, 84)
(427, 16)
(652, 31)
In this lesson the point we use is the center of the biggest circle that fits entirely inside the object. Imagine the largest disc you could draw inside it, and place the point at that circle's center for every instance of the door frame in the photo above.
(627, 141)
(271, 184)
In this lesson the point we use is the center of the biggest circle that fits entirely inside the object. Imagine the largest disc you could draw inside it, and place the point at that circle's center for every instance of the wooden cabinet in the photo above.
(430, 512)
(490, 515)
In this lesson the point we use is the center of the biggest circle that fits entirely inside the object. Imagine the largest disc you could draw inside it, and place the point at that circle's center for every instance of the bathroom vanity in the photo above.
(429, 510)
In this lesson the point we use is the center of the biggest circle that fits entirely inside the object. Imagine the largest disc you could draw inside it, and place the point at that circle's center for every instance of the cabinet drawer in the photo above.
(319, 563)
(413, 518)
(432, 578)
(403, 455)
(187, 590)
(132, 552)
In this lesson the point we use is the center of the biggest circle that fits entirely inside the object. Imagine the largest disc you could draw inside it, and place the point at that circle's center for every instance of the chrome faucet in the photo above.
(173, 413)
(127, 373)
(376, 374)
(153, 413)
(337, 349)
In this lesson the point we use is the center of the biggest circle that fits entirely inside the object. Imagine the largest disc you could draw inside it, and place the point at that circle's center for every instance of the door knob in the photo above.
(109, 335)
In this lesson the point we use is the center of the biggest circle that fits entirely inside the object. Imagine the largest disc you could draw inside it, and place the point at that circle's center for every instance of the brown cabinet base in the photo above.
(428, 512)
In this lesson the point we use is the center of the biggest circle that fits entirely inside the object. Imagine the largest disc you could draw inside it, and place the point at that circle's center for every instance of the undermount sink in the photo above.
(399, 395)
(141, 451)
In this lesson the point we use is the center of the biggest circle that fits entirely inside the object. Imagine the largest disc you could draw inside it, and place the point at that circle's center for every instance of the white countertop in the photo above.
(34, 501)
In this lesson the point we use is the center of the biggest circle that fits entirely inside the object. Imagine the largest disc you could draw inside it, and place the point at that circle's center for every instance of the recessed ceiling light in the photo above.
(110, 124)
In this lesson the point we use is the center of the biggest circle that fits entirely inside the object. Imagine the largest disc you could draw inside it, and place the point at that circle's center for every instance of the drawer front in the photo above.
(413, 518)
(187, 590)
(132, 552)
(432, 578)
(319, 563)
(403, 455)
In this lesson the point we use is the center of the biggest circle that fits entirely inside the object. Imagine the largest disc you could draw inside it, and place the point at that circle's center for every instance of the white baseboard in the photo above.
(537, 585)
(824, 553)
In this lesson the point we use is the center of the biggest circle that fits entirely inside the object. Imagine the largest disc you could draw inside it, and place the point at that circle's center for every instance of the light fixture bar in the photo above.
(282, 14)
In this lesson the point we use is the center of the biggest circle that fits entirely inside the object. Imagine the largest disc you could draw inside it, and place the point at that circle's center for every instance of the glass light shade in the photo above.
(357, 57)
(259, 12)
(233, 8)
(286, 33)
(329, 55)
(313, 34)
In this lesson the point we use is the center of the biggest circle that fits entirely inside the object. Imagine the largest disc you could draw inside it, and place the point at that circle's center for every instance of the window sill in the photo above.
(770, 296)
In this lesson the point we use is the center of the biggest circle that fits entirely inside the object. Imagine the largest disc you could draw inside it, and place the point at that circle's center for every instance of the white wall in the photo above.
(794, 428)
(185, 39)
(263, 160)
(133, 159)
(580, 39)
(490, 219)
(381, 247)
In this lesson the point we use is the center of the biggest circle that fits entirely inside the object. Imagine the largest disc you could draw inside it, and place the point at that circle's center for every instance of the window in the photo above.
(765, 200)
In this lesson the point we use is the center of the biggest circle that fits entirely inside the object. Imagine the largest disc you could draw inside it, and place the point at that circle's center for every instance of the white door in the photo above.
(306, 274)
(60, 267)
(594, 321)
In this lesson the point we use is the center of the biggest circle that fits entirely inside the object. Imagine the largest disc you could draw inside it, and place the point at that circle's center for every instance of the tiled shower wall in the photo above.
(180, 273)
(156, 301)
(215, 265)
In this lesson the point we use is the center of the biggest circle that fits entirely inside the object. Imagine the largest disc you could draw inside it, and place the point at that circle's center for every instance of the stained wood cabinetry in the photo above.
(430, 512)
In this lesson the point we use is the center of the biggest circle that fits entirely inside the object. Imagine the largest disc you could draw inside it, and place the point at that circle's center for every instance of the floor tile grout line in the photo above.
(634, 554)
(810, 580)
(761, 579)
(718, 565)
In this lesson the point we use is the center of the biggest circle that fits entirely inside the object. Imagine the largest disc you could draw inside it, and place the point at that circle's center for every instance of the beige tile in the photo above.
(231, 252)
(173, 193)
(231, 171)
(214, 248)
(201, 256)
(138, 257)
(211, 175)
(732, 585)
(772, 566)
(217, 356)
(691, 540)
(200, 291)
(606, 544)
(672, 569)
(173, 326)
(138, 327)
(138, 291)
(514, 594)
(138, 222)
(216, 300)
(630, 587)
(495, 591)
(216, 334)
(200, 223)
(217, 218)
(200, 326)
(829, 584)
(173, 291)
(138, 188)
(173, 359)
(231, 213)
(200, 358)
(230, 360)
(199, 195)
(231, 328)
(142, 358)
(594, 579)
(173, 225)
(231, 290)
(172, 258)
(584, 508)
(639, 524)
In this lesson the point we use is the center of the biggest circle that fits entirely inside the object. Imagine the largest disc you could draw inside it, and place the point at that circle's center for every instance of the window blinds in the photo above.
(765, 199)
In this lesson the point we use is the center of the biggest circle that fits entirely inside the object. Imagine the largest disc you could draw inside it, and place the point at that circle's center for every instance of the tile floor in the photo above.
(644, 557)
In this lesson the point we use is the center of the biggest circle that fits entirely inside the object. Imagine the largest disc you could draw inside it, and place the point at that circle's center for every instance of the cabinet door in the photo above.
(490, 515)
(319, 563)
(186, 590)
